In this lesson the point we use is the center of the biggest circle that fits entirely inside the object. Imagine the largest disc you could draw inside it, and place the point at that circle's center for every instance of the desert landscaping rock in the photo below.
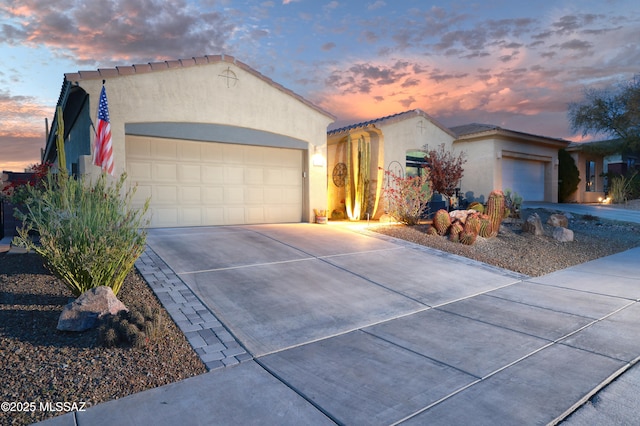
(533, 225)
(86, 311)
(558, 219)
(563, 235)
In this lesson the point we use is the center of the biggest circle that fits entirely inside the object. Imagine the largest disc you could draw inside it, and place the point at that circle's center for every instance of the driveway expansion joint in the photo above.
(214, 344)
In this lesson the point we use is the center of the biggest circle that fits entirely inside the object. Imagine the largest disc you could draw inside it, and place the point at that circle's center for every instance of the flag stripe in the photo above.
(103, 149)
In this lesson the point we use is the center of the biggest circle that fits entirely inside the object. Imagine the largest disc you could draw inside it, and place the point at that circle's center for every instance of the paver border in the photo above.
(216, 346)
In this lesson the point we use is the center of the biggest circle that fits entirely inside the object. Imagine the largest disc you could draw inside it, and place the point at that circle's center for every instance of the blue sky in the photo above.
(515, 64)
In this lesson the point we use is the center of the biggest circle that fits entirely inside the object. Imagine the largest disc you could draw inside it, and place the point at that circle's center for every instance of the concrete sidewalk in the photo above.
(347, 328)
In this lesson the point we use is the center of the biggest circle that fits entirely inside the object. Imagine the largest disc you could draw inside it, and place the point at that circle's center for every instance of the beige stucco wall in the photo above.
(199, 94)
(582, 195)
(390, 141)
(483, 170)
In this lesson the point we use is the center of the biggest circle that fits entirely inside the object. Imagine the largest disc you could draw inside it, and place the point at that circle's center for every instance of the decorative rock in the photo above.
(84, 312)
(533, 225)
(558, 220)
(387, 218)
(563, 235)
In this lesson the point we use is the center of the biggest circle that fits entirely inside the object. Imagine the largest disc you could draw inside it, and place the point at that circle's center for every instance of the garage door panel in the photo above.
(162, 149)
(164, 172)
(233, 175)
(189, 173)
(162, 195)
(139, 170)
(524, 177)
(213, 195)
(208, 183)
(191, 216)
(254, 195)
(190, 195)
(190, 152)
(233, 195)
(212, 174)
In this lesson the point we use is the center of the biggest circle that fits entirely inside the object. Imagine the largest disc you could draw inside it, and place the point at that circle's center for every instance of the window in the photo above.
(590, 173)
(415, 162)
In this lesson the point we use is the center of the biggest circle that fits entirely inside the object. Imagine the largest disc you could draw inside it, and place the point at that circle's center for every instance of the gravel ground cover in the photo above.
(529, 254)
(43, 365)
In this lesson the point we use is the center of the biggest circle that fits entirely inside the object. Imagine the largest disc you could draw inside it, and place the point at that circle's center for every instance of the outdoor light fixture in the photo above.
(318, 159)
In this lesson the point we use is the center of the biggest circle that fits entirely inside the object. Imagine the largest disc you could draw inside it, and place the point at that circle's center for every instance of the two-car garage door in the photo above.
(209, 183)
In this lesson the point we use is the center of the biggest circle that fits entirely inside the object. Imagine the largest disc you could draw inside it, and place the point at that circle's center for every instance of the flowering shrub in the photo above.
(407, 196)
(17, 191)
(445, 170)
(89, 234)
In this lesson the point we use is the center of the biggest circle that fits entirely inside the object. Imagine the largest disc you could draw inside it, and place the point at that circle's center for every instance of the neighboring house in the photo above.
(504, 159)
(209, 139)
(497, 158)
(392, 140)
(595, 160)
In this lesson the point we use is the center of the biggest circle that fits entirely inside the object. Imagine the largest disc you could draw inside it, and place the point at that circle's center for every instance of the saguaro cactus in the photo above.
(357, 182)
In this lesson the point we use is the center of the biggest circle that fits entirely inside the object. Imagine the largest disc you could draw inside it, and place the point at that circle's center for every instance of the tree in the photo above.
(568, 176)
(613, 111)
(445, 170)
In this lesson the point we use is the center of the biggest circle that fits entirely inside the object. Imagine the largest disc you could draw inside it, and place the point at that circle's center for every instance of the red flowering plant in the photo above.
(445, 169)
(16, 191)
(407, 197)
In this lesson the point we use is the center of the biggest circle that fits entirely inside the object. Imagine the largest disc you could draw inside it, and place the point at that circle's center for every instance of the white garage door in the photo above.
(524, 177)
(206, 183)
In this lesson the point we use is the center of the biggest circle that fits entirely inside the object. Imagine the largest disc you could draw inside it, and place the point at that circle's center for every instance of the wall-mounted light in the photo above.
(318, 158)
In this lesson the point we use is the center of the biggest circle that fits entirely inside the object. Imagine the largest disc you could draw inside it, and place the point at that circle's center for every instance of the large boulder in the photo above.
(563, 235)
(533, 225)
(85, 312)
(558, 220)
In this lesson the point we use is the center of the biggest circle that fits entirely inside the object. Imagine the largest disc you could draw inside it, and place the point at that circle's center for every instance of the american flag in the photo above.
(103, 152)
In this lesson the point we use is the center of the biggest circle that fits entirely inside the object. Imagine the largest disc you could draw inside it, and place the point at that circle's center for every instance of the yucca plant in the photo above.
(89, 234)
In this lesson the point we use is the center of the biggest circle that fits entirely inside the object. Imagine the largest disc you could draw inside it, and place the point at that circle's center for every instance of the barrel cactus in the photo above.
(496, 210)
(477, 207)
(473, 224)
(441, 221)
(454, 231)
(468, 238)
(486, 227)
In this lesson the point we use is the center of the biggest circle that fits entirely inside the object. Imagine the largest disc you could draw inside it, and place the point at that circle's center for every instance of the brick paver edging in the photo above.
(215, 345)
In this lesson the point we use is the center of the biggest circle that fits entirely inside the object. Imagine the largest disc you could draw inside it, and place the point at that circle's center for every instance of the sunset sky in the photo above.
(516, 64)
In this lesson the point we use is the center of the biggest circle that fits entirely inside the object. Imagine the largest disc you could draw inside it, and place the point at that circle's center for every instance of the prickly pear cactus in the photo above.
(442, 221)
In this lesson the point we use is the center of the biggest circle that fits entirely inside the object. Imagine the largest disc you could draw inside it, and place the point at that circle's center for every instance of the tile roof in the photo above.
(119, 71)
(472, 129)
(390, 119)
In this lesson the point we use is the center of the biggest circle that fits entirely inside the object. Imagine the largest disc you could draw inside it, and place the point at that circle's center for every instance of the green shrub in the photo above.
(89, 234)
(568, 176)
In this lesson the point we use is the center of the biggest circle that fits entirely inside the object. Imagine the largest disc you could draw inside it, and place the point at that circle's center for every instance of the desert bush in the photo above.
(568, 176)
(620, 188)
(407, 196)
(445, 169)
(90, 236)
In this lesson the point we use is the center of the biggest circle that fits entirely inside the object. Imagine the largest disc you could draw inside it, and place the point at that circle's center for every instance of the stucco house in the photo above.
(595, 160)
(209, 139)
(497, 158)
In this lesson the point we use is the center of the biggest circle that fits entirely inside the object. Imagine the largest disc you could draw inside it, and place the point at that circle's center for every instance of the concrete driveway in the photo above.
(326, 325)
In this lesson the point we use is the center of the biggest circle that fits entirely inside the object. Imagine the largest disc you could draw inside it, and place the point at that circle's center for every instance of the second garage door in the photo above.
(524, 177)
(207, 183)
